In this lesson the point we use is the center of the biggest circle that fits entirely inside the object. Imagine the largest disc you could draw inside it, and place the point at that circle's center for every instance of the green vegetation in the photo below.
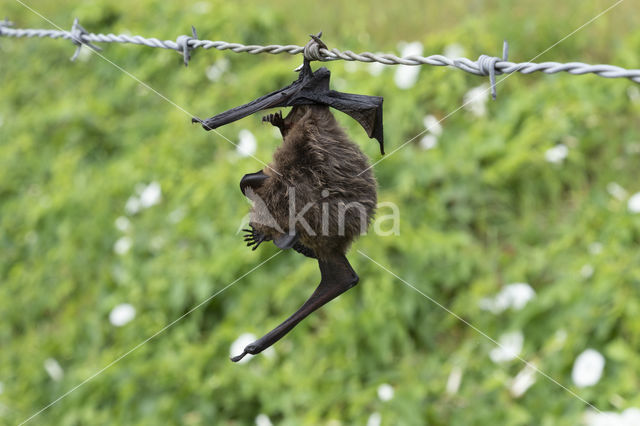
(479, 211)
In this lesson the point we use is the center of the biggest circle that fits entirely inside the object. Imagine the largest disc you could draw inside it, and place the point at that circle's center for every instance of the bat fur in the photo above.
(324, 170)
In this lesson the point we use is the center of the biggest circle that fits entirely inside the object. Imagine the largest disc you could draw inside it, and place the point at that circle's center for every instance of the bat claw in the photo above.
(253, 238)
(238, 357)
(275, 120)
(251, 349)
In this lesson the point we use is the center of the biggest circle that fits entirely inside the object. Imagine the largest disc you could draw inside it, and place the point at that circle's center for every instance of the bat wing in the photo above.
(366, 110)
(310, 88)
(337, 276)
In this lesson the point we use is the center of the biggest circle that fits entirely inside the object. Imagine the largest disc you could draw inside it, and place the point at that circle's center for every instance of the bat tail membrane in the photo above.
(337, 276)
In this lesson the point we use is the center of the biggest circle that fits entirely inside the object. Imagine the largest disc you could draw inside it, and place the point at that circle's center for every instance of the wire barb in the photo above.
(487, 66)
(318, 51)
(5, 23)
(76, 34)
(313, 49)
(184, 45)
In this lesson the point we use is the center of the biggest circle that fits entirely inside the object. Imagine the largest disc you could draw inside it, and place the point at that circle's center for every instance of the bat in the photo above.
(319, 193)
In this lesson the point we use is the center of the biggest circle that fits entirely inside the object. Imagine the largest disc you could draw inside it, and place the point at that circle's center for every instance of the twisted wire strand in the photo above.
(478, 67)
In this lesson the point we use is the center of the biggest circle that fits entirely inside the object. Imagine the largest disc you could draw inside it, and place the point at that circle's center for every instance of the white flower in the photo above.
(247, 145)
(454, 380)
(133, 205)
(374, 419)
(428, 142)
(432, 124)
(475, 100)
(215, 71)
(595, 248)
(523, 381)
(629, 417)
(385, 392)
(151, 195)
(53, 369)
(602, 418)
(616, 191)
(122, 314)
(634, 203)
(557, 154)
(123, 224)
(147, 196)
(515, 296)
(509, 347)
(586, 271)
(454, 51)
(406, 76)
(123, 245)
(587, 368)
(263, 420)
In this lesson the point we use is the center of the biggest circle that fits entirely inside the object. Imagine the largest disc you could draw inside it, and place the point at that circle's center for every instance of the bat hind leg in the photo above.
(304, 250)
(337, 277)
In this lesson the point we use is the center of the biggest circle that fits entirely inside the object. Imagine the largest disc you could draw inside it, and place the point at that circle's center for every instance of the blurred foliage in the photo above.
(481, 210)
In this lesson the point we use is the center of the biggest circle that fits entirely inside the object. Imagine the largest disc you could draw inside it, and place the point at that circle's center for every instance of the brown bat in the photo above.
(318, 194)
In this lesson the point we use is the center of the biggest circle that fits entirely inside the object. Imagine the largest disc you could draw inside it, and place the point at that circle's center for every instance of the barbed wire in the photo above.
(316, 50)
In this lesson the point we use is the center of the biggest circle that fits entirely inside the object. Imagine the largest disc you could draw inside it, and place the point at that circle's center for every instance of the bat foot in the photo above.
(275, 120)
(239, 357)
(252, 349)
(253, 238)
